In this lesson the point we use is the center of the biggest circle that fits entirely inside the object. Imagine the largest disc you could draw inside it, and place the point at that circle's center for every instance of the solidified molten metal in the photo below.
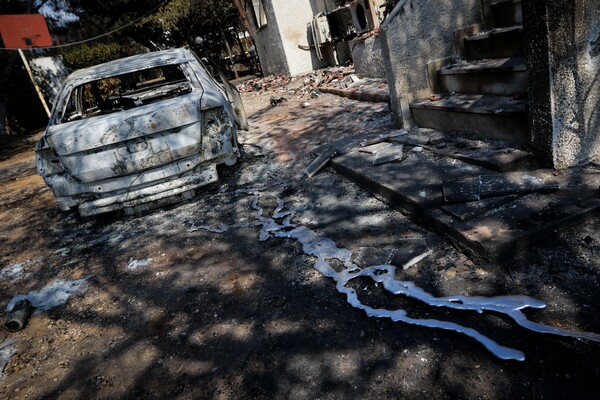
(325, 250)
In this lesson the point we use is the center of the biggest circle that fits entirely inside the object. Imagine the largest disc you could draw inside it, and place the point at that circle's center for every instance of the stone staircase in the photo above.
(489, 196)
(485, 92)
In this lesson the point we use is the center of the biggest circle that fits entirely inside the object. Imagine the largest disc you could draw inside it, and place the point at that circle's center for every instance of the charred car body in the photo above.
(139, 132)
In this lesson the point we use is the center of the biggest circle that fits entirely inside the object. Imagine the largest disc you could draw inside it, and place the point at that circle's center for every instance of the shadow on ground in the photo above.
(224, 315)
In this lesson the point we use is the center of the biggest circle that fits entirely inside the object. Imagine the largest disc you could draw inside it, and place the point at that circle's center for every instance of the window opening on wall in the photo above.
(258, 12)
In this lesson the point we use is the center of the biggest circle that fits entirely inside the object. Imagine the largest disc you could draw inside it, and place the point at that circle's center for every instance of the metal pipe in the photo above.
(17, 319)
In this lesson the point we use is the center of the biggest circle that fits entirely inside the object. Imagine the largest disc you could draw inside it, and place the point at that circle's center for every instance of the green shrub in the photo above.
(89, 55)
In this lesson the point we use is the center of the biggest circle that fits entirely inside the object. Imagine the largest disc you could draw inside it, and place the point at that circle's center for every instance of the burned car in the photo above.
(139, 132)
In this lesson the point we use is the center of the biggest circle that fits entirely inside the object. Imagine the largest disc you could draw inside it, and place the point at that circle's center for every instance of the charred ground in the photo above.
(228, 316)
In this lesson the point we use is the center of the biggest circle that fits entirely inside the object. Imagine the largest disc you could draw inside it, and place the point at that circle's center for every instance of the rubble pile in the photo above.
(262, 85)
(302, 86)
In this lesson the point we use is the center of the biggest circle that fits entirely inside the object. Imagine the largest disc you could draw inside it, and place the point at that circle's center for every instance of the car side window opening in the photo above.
(125, 91)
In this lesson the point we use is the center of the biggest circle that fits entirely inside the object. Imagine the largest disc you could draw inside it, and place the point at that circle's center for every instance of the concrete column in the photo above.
(292, 20)
(563, 61)
(270, 45)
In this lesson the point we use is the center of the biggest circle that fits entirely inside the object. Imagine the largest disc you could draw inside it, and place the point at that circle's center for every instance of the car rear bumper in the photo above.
(160, 194)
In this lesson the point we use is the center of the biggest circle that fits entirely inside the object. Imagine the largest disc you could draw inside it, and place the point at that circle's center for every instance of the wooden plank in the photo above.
(369, 95)
(382, 138)
(373, 149)
(320, 161)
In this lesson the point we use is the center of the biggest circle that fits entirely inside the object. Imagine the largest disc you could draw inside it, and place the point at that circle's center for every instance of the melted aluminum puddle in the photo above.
(325, 249)
(51, 296)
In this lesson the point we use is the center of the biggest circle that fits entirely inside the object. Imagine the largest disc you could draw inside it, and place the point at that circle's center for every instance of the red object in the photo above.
(24, 31)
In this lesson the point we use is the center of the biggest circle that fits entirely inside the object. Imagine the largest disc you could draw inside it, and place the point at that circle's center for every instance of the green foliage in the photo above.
(180, 22)
(171, 15)
(173, 23)
(89, 55)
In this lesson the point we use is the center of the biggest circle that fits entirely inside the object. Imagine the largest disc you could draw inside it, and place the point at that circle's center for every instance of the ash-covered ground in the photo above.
(168, 310)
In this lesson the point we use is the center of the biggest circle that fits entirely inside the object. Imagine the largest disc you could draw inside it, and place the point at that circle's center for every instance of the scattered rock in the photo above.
(278, 101)
(7, 350)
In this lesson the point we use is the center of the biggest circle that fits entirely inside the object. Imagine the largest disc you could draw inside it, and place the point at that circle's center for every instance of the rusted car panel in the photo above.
(140, 131)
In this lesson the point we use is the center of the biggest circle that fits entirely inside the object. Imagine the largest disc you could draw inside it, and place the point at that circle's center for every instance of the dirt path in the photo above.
(169, 310)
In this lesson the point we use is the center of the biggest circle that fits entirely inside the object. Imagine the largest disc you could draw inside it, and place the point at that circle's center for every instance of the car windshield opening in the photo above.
(126, 91)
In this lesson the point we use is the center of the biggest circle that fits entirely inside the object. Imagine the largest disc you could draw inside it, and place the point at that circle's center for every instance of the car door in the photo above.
(231, 91)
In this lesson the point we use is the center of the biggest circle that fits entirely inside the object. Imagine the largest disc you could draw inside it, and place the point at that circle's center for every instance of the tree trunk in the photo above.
(240, 4)
(230, 54)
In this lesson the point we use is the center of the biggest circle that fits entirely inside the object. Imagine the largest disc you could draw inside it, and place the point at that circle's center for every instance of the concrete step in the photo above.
(496, 155)
(507, 13)
(502, 77)
(497, 43)
(497, 228)
(495, 117)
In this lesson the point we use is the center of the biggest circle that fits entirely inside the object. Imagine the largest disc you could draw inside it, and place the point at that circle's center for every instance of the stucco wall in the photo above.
(277, 42)
(422, 32)
(563, 46)
(269, 44)
(368, 57)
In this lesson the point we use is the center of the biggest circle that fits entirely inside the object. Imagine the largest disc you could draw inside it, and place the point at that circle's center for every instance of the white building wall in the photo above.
(288, 28)
(269, 45)
(293, 18)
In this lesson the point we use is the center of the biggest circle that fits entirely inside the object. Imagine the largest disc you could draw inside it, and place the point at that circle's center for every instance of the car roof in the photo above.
(130, 64)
